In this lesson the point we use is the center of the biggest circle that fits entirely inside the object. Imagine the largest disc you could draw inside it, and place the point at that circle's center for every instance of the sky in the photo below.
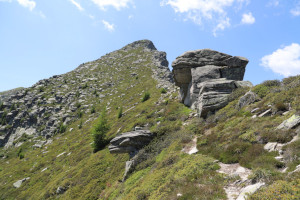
(39, 39)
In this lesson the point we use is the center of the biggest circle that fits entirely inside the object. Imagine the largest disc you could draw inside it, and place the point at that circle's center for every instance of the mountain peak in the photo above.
(148, 44)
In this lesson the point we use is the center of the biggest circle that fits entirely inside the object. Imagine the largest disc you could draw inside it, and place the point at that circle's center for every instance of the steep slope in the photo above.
(47, 107)
(187, 158)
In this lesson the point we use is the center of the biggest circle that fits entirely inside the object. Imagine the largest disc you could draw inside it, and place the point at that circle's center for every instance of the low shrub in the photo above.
(120, 113)
(261, 90)
(280, 106)
(93, 109)
(146, 96)
(163, 91)
(272, 83)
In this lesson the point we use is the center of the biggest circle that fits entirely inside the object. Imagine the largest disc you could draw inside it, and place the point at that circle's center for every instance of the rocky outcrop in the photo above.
(207, 77)
(130, 142)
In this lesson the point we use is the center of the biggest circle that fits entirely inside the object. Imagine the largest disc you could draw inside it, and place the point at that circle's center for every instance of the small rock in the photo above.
(60, 190)
(19, 182)
(250, 189)
(266, 113)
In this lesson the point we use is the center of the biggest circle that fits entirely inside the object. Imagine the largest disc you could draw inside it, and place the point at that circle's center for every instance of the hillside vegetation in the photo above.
(68, 167)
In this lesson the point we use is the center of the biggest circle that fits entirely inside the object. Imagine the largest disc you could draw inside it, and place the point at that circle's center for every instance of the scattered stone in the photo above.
(44, 169)
(60, 154)
(290, 123)
(248, 190)
(266, 113)
(19, 182)
(60, 190)
(191, 147)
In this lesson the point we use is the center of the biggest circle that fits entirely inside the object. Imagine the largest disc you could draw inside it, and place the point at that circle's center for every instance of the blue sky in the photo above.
(39, 39)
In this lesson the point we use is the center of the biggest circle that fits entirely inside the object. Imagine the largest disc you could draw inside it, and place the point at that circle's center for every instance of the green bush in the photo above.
(261, 90)
(146, 96)
(80, 124)
(280, 106)
(163, 91)
(99, 131)
(93, 109)
(272, 83)
(20, 153)
(1, 106)
(79, 114)
(62, 128)
(120, 113)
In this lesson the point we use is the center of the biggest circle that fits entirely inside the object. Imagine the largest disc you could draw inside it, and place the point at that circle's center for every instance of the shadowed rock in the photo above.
(130, 142)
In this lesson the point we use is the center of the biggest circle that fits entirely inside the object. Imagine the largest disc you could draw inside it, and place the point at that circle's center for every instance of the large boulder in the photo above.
(130, 142)
(206, 77)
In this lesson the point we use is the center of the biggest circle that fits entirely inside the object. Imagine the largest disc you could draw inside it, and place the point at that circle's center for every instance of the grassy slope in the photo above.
(231, 135)
(88, 175)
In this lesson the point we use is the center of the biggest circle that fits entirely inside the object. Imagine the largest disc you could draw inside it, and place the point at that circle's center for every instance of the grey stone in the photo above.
(247, 99)
(243, 84)
(266, 113)
(130, 142)
(290, 123)
(213, 95)
(248, 190)
(60, 190)
(18, 183)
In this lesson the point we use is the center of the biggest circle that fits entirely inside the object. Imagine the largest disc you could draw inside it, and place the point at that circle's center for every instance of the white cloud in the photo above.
(108, 26)
(296, 11)
(117, 4)
(284, 61)
(27, 4)
(248, 18)
(130, 17)
(78, 6)
(211, 11)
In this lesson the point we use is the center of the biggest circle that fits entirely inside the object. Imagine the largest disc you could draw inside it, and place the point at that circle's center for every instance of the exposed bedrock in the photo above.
(206, 77)
(130, 142)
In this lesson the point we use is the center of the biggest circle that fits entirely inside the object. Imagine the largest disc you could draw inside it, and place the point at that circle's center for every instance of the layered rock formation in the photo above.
(130, 142)
(207, 77)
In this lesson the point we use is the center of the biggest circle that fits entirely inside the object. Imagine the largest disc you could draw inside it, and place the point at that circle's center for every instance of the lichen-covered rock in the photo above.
(202, 77)
(290, 123)
(247, 99)
(130, 142)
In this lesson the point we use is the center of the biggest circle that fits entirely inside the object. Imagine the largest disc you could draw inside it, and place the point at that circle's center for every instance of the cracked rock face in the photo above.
(207, 77)
(130, 142)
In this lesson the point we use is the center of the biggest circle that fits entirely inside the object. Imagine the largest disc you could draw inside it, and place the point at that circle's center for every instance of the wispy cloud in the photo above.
(201, 11)
(284, 61)
(273, 3)
(27, 4)
(6, 1)
(296, 11)
(108, 26)
(248, 18)
(117, 4)
(78, 6)
(225, 23)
